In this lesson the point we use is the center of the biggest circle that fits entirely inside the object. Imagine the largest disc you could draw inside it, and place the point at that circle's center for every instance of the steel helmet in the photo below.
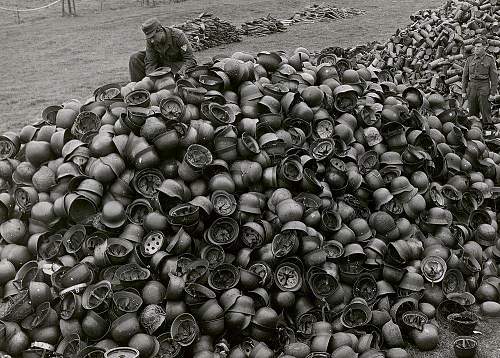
(326, 71)
(388, 87)
(453, 163)
(355, 315)
(486, 235)
(345, 235)
(364, 73)
(433, 268)
(368, 161)
(384, 288)
(374, 180)
(266, 104)
(483, 188)
(113, 214)
(361, 229)
(249, 203)
(439, 216)
(372, 136)
(420, 180)
(382, 222)
(365, 289)
(412, 281)
(345, 98)
(313, 96)
(348, 119)
(400, 184)
(296, 60)
(414, 97)
(391, 158)
(332, 83)
(415, 206)
(344, 132)
(381, 196)
(303, 111)
(265, 317)
(350, 77)
(412, 135)
(354, 252)
(394, 134)
(375, 249)
(436, 100)
(24, 173)
(389, 114)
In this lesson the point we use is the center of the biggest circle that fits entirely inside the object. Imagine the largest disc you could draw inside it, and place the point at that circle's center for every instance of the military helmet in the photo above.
(453, 162)
(382, 222)
(439, 216)
(413, 96)
(400, 184)
(412, 281)
(420, 180)
(344, 132)
(436, 100)
(385, 288)
(433, 268)
(361, 229)
(486, 235)
(350, 77)
(374, 180)
(381, 196)
(348, 119)
(391, 158)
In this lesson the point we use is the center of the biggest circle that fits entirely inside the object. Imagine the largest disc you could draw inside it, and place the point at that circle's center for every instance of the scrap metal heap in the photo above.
(263, 26)
(276, 204)
(207, 30)
(322, 12)
(431, 51)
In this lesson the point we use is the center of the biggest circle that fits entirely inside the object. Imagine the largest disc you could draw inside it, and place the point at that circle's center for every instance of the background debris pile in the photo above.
(321, 12)
(262, 26)
(208, 31)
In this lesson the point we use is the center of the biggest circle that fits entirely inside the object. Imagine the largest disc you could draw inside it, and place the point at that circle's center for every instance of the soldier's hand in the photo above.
(464, 94)
(491, 98)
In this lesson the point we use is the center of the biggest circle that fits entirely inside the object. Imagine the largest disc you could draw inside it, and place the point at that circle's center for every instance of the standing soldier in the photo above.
(165, 46)
(480, 81)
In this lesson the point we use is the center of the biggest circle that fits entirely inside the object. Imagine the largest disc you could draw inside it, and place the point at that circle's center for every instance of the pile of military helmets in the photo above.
(259, 206)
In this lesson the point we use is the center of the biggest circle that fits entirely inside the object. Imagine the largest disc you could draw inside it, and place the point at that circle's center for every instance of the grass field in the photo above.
(48, 59)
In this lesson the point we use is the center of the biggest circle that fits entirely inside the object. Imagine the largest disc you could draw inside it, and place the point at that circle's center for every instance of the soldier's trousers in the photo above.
(136, 66)
(477, 95)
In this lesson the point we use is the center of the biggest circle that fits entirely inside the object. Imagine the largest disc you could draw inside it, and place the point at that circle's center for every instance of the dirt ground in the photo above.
(49, 59)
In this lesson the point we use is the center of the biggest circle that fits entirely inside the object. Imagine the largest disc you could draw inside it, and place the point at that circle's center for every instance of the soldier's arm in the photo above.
(465, 76)
(186, 51)
(151, 62)
(493, 77)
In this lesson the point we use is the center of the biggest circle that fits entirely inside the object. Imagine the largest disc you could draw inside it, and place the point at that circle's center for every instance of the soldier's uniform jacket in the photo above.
(176, 52)
(480, 69)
